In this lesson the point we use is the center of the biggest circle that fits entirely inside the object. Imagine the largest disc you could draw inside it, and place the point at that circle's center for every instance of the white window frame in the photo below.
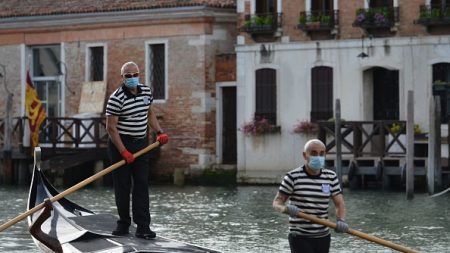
(87, 65)
(148, 43)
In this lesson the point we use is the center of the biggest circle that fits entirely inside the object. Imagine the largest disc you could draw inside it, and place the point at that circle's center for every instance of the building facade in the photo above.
(295, 58)
(176, 45)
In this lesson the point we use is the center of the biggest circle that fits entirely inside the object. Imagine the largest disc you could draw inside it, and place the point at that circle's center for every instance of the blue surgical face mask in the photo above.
(131, 82)
(316, 162)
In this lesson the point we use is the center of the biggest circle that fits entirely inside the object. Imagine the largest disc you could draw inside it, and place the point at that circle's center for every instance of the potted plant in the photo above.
(325, 20)
(258, 126)
(305, 127)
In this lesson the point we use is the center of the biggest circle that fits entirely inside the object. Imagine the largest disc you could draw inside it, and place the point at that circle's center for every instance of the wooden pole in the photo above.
(434, 145)
(358, 234)
(337, 132)
(410, 146)
(7, 148)
(76, 187)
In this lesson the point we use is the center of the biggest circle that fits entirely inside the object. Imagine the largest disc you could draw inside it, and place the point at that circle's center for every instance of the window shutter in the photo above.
(266, 95)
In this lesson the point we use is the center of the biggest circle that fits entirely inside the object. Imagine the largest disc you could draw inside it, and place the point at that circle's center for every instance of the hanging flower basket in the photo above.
(259, 126)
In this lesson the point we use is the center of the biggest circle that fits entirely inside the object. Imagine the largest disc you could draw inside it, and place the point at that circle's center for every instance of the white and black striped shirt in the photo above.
(132, 110)
(312, 195)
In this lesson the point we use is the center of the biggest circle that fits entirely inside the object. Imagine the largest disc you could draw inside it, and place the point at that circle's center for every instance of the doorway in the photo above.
(229, 137)
(385, 94)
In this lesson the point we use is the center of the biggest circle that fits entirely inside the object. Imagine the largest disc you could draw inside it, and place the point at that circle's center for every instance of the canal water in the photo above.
(241, 219)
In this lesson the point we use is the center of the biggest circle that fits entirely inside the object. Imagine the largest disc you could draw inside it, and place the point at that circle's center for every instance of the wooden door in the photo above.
(229, 129)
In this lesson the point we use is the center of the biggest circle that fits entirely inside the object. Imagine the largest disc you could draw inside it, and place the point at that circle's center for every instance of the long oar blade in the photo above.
(358, 234)
(77, 187)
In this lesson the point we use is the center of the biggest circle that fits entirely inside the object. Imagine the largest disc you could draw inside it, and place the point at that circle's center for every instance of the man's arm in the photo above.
(278, 202)
(152, 120)
(111, 128)
(338, 201)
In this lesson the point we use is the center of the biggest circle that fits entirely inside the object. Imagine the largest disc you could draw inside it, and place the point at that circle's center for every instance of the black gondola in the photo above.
(64, 226)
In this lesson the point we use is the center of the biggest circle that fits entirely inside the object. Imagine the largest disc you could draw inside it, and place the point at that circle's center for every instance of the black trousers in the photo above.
(302, 244)
(131, 177)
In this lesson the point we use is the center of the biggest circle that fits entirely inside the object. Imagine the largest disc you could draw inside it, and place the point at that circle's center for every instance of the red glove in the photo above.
(129, 158)
(162, 138)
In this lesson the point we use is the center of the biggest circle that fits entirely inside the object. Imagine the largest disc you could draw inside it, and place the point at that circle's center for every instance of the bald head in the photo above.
(129, 67)
(309, 145)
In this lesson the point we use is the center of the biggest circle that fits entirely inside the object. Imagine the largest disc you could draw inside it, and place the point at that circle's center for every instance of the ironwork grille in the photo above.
(266, 95)
(96, 64)
(157, 70)
(321, 93)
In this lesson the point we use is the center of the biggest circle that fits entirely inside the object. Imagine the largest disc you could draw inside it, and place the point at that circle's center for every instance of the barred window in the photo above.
(95, 63)
(266, 95)
(321, 93)
(157, 70)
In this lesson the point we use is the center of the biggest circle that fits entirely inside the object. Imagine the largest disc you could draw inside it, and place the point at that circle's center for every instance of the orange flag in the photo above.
(35, 111)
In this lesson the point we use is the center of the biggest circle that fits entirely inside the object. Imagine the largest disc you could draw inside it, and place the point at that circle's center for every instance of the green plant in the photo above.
(302, 19)
(439, 82)
(268, 20)
(396, 128)
(325, 19)
(435, 13)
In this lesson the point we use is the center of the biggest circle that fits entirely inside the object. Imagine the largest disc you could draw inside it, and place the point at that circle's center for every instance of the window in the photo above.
(380, 3)
(95, 63)
(266, 6)
(157, 64)
(46, 77)
(321, 93)
(266, 95)
(322, 5)
(441, 88)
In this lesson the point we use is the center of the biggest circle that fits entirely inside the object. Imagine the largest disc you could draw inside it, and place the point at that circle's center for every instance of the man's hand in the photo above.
(341, 226)
(129, 158)
(162, 138)
(292, 210)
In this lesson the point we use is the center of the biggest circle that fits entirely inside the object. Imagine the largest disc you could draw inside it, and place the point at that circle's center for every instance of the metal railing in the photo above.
(262, 23)
(318, 20)
(370, 18)
(434, 15)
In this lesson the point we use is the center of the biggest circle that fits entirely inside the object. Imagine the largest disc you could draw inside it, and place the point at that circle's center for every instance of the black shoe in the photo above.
(120, 230)
(148, 235)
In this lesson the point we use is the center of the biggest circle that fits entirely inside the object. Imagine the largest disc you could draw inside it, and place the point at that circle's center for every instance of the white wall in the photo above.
(265, 159)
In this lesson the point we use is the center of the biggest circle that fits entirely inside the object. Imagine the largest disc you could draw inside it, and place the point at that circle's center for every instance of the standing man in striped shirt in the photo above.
(309, 189)
(129, 116)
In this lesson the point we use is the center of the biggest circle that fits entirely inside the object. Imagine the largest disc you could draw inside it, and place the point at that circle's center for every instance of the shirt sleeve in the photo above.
(114, 106)
(335, 186)
(287, 185)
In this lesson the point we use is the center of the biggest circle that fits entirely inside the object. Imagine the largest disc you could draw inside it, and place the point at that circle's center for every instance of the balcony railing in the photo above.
(373, 18)
(434, 15)
(310, 21)
(262, 23)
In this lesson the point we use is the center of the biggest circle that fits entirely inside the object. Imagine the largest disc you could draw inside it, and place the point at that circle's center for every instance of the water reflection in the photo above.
(241, 219)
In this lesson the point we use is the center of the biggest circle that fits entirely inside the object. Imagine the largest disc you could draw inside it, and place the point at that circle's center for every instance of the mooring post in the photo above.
(410, 146)
(434, 145)
(7, 148)
(337, 132)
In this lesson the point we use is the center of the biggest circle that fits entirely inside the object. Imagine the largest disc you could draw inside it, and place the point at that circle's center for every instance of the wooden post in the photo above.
(434, 144)
(7, 149)
(337, 131)
(410, 146)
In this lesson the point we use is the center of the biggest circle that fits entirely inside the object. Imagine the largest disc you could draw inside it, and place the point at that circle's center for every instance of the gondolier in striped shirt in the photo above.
(129, 116)
(309, 189)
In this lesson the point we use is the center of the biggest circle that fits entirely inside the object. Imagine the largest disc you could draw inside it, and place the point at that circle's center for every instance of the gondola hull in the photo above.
(77, 229)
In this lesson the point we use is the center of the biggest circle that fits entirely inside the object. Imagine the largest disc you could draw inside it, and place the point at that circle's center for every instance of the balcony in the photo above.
(318, 21)
(262, 23)
(434, 15)
(377, 18)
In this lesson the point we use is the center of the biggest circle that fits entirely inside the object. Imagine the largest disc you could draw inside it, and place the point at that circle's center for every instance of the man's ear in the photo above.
(304, 155)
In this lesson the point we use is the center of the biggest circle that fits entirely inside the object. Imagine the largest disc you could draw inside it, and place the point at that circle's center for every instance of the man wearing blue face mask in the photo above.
(129, 117)
(309, 189)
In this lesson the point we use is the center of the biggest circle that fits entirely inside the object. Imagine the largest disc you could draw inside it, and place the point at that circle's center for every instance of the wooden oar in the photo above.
(358, 233)
(77, 187)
